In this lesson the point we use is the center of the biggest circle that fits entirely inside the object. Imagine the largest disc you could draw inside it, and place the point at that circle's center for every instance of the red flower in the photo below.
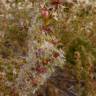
(56, 54)
(40, 69)
(34, 81)
(46, 29)
(55, 2)
(45, 13)
(46, 61)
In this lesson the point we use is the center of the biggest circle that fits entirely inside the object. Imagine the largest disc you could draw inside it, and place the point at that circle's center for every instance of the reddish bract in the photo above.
(56, 54)
(55, 2)
(46, 29)
(34, 81)
(46, 61)
(40, 69)
(45, 13)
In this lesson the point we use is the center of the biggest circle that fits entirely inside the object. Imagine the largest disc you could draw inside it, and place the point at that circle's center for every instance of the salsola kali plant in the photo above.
(26, 24)
(31, 32)
(43, 53)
